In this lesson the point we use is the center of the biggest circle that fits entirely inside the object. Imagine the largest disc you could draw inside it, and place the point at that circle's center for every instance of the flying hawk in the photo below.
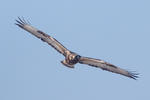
(72, 58)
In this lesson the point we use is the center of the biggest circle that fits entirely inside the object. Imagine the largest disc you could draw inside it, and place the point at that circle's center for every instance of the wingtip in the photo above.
(18, 25)
(21, 22)
(134, 76)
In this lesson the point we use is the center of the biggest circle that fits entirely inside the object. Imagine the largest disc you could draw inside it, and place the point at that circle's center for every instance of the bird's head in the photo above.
(77, 57)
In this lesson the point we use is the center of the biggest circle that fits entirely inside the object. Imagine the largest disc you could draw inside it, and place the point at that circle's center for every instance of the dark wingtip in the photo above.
(21, 22)
(133, 75)
(19, 25)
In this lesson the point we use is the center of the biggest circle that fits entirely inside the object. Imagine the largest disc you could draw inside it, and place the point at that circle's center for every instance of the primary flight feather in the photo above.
(72, 58)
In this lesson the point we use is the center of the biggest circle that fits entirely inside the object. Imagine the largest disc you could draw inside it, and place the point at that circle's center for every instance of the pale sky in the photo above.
(113, 30)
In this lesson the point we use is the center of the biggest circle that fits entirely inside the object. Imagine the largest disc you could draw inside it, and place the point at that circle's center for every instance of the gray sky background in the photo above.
(113, 30)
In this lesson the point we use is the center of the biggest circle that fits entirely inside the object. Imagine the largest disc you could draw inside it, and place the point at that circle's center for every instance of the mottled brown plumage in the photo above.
(72, 58)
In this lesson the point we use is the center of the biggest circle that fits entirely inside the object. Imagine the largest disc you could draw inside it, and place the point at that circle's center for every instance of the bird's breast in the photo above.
(73, 58)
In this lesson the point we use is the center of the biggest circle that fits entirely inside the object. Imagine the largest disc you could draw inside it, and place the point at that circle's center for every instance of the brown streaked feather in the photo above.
(107, 66)
(43, 36)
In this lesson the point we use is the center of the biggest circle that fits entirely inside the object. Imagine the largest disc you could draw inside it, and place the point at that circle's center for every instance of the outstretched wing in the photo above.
(107, 66)
(41, 35)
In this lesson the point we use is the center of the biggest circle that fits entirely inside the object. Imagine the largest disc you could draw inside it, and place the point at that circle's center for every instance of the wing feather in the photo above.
(107, 66)
(41, 35)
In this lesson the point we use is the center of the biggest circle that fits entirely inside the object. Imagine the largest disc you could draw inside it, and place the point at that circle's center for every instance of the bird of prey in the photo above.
(72, 58)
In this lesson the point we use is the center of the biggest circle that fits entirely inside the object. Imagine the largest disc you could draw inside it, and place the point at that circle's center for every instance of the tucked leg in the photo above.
(66, 64)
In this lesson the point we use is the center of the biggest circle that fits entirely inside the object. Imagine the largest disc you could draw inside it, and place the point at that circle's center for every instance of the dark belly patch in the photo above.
(75, 60)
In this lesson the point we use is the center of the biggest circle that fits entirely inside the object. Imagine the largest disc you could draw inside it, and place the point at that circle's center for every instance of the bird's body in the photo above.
(72, 58)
